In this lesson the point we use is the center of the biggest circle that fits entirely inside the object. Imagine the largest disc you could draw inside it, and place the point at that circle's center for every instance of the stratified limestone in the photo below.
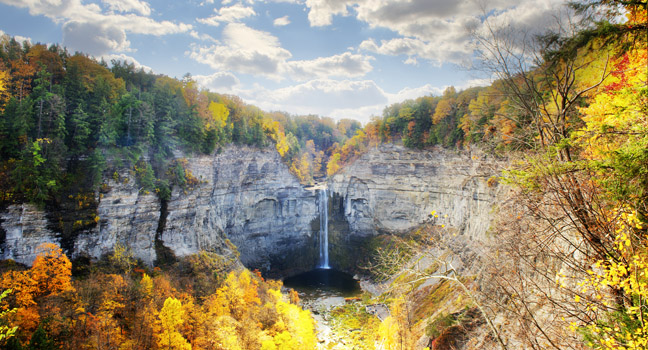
(247, 195)
(393, 189)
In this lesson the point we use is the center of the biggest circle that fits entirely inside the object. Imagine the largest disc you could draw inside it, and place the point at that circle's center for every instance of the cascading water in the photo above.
(323, 236)
(323, 282)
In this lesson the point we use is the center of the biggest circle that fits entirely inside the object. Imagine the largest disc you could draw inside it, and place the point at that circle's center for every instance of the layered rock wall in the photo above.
(250, 197)
(392, 189)
(246, 195)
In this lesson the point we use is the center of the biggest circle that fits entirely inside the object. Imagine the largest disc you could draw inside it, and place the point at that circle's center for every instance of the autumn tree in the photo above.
(6, 332)
(49, 276)
(395, 332)
(22, 75)
(445, 107)
(333, 165)
(51, 270)
(171, 318)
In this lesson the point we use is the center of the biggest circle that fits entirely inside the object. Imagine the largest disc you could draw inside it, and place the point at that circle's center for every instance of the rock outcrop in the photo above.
(248, 196)
(392, 189)
(24, 228)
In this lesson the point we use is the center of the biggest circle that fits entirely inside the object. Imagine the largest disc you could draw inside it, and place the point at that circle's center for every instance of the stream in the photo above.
(320, 291)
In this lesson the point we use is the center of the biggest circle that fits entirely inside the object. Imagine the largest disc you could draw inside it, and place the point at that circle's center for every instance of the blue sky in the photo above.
(338, 58)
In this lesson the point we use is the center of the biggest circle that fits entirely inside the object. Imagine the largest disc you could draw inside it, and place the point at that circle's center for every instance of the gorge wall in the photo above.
(392, 189)
(245, 195)
(248, 196)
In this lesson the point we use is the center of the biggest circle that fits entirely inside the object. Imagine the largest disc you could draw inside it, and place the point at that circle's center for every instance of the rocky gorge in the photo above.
(249, 197)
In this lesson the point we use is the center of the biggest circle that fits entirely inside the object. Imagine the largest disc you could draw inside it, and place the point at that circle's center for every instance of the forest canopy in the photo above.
(61, 113)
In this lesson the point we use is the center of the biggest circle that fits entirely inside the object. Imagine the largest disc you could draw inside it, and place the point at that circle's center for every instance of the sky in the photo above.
(337, 58)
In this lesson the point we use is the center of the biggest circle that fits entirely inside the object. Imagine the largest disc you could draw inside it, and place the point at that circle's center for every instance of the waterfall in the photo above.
(323, 236)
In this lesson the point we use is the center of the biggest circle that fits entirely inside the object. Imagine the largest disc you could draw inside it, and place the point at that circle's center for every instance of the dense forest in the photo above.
(570, 110)
(64, 113)
(116, 305)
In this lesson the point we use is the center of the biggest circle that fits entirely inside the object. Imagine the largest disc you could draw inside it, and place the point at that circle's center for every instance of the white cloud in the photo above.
(223, 82)
(281, 21)
(398, 46)
(74, 10)
(202, 36)
(338, 99)
(345, 65)
(434, 30)
(321, 12)
(413, 93)
(87, 28)
(326, 93)
(250, 51)
(412, 48)
(362, 114)
(230, 14)
(245, 50)
(128, 6)
(411, 61)
(124, 58)
(94, 38)
(356, 99)
(323, 97)
(475, 82)
(19, 38)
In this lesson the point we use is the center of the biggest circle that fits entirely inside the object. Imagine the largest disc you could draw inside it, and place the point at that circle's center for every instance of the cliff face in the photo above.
(24, 227)
(248, 196)
(392, 189)
(245, 194)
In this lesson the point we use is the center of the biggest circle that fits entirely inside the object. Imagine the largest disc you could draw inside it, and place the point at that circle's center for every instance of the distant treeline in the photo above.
(476, 116)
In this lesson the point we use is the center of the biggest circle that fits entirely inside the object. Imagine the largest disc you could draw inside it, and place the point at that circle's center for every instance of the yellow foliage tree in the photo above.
(50, 275)
(217, 304)
(6, 332)
(333, 166)
(122, 258)
(25, 289)
(219, 333)
(219, 114)
(299, 327)
(613, 141)
(147, 285)
(282, 144)
(171, 318)
(620, 109)
(394, 332)
(627, 275)
(443, 110)
(194, 98)
(302, 168)
(3, 80)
